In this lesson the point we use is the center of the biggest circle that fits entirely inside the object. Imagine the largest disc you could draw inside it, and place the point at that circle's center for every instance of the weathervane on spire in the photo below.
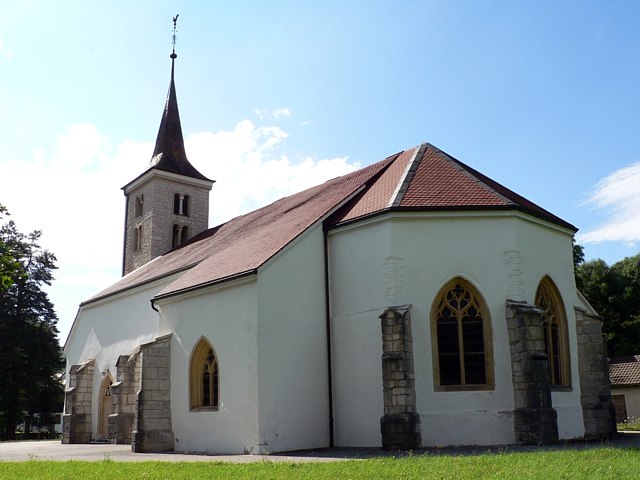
(175, 20)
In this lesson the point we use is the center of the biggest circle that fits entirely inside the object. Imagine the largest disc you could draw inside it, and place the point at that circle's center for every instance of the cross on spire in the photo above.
(175, 20)
(169, 153)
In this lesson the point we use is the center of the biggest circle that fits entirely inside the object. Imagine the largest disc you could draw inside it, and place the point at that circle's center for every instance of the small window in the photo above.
(176, 204)
(185, 206)
(461, 339)
(176, 236)
(204, 378)
(137, 242)
(180, 235)
(138, 206)
(555, 332)
(181, 204)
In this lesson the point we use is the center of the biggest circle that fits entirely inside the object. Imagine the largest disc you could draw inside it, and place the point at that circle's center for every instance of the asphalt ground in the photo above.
(54, 450)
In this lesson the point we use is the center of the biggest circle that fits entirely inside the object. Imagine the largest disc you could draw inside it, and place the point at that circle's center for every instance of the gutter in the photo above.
(176, 293)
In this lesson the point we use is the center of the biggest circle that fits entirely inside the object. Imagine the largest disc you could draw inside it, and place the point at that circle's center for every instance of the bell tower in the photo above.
(169, 202)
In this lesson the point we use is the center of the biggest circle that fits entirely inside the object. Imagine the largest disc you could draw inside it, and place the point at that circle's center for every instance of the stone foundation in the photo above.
(535, 420)
(77, 418)
(400, 424)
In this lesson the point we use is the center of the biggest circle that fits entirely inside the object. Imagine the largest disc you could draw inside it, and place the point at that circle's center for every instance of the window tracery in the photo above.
(461, 339)
(204, 377)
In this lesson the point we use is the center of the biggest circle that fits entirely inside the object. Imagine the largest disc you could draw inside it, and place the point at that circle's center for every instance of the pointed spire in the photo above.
(169, 153)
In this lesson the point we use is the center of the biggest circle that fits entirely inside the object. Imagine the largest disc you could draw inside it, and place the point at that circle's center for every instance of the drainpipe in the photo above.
(126, 221)
(328, 325)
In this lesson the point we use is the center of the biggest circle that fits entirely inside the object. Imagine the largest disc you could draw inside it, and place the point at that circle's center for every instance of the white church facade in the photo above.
(414, 302)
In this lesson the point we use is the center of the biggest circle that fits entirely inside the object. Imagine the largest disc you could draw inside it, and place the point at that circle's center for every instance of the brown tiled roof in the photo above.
(433, 180)
(624, 371)
(376, 197)
(421, 178)
(245, 243)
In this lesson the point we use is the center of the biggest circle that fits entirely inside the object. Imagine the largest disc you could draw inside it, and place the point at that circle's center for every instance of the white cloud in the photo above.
(261, 113)
(282, 112)
(8, 55)
(618, 195)
(73, 194)
(251, 169)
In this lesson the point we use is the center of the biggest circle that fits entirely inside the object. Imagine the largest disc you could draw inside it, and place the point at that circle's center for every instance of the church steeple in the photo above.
(169, 153)
(169, 202)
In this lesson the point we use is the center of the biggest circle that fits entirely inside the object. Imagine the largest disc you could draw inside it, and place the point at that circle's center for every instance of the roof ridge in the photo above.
(407, 176)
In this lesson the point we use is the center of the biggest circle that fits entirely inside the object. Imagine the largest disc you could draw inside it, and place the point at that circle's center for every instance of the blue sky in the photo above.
(277, 96)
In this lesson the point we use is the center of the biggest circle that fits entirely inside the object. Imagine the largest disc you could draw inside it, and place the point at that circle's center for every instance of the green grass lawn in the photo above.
(609, 463)
(631, 424)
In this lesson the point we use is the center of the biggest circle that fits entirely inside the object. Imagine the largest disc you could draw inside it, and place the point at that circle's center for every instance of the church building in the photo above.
(412, 303)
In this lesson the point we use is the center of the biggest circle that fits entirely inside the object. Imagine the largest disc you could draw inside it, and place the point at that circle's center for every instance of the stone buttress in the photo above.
(400, 424)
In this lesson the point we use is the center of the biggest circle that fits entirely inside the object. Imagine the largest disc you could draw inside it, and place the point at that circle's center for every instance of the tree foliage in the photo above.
(8, 264)
(578, 253)
(614, 291)
(30, 356)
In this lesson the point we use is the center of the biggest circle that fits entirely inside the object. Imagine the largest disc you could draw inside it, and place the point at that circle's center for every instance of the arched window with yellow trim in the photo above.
(461, 339)
(204, 378)
(556, 339)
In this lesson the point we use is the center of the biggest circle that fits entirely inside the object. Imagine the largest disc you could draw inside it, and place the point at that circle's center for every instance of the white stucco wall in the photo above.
(407, 260)
(292, 354)
(554, 248)
(227, 317)
(632, 400)
(105, 329)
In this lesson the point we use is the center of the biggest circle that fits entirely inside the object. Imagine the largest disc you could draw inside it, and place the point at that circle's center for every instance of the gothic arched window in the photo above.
(461, 339)
(204, 377)
(556, 340)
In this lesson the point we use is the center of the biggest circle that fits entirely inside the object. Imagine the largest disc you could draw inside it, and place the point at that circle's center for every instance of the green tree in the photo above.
(627, 273)
(614, 292)
(8, 265)
(578, 254)
(30, 356)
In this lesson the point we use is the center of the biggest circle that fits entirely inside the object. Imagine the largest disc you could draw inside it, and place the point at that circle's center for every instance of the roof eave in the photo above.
(200, 286)
(456, 208)
(148, 173)
(137, 285)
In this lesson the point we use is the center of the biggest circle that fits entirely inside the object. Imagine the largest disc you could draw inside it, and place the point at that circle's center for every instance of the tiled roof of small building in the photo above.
(421, 178)
(624, 371)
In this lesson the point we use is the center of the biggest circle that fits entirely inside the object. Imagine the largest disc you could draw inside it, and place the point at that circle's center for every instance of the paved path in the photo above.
(54, 450)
